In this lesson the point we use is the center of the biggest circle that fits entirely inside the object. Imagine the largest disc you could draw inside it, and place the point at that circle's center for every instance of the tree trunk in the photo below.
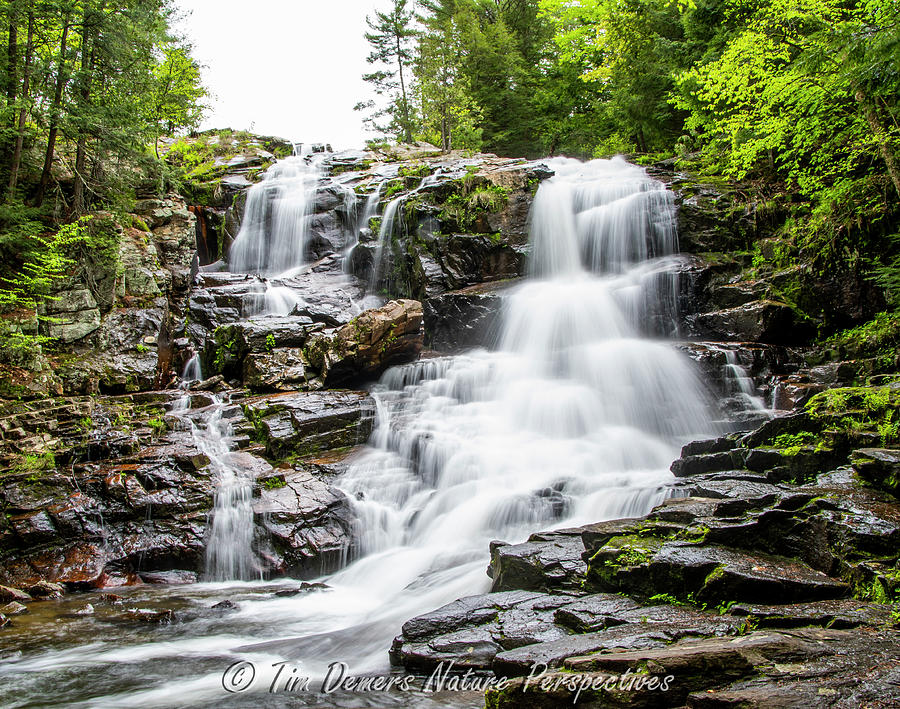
(88, 56)
(61, 81)
(12, 61)
(26, 87)
(12, 49)
(881, 136)
(407, 133)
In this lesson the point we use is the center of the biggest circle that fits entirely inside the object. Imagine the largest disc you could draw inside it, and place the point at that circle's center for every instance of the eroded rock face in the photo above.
(116, 490)
(306, 423)
(308, 524)
(370, 343)
(463, 319)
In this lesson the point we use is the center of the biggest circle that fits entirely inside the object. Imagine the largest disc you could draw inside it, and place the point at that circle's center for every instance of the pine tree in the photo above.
(391, 38)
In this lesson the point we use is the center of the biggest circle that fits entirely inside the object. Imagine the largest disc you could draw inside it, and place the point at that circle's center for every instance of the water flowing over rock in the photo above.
(574, 418)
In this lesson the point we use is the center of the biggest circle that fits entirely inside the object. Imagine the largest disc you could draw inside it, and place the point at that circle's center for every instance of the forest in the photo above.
(88, 89)
(798, 100)
(585, 368)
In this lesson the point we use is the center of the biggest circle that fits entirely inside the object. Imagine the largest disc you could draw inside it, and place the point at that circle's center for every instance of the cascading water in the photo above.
(230, 533)
(574, 418)
(273, 233)
(369, 210)
(385, 232)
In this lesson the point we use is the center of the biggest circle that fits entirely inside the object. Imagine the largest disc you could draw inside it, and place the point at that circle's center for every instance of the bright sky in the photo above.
(290, 68)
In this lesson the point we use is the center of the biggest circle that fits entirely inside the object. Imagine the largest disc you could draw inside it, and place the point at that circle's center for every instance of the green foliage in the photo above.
(34, 464)
(393, 188)
(273, 483)
(879, 336)
(51, 261)
(462, 209)
(419, 170)
(861, 409)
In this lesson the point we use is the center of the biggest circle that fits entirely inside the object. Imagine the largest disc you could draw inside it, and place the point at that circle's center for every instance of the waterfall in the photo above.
(385, 233)
(270, 299)
(229, 547)
(192, 371)
(369, 210)
(743, 383)
(273, 233)
(231, 530)
(573, 420)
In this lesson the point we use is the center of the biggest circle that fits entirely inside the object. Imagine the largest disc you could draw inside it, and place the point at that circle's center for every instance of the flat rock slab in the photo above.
(471, 631)
(711, 574)
(839, 614)
(802, 668)
(879, 466)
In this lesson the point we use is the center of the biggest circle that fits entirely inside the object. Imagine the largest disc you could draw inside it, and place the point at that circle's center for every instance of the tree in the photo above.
(391, 38)
(449, 113)
(178, 92)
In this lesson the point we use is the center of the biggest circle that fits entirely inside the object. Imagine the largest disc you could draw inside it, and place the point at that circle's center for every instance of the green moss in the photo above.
(419, 170)
(355, 167)
(34, 464)
(393, 188)
(860, 409)
(139, 223)
(462, 209)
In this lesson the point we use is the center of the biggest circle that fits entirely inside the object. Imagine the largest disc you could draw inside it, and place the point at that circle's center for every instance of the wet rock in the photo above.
(471, 631)
(309, 525)
(280, 370)
(702, 463)
(547, 561)
(711, 574)
(145, 615)
(175, 577)
(376, 339)
(4, 621)
(838, 614)
(305, 423)
(13, 595)
(303, 588)
(225, 605)
(46, 589)
(463, 319)
(761, 321)
(13, 608)
(879, 466)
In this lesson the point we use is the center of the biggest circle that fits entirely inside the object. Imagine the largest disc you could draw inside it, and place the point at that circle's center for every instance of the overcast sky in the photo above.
(283, 67)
